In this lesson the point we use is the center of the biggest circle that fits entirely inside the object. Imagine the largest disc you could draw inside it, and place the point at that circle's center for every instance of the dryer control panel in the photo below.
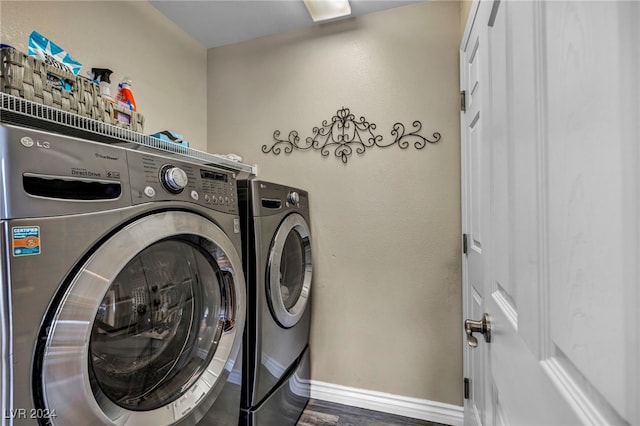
(157, 178)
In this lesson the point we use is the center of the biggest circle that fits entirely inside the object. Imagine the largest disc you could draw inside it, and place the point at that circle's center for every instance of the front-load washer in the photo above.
(278, 267)
(123, 298)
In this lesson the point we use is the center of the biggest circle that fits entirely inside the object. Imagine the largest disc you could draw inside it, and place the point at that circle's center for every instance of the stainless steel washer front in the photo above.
(122, 302)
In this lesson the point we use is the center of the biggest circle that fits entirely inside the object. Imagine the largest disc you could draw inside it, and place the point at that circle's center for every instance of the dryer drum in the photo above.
(292, 269)
(289, 271)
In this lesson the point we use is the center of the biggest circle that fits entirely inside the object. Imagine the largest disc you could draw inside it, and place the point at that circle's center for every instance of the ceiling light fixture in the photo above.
(321, 10)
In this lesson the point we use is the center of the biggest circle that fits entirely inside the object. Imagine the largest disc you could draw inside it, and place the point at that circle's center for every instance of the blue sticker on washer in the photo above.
(25, 240)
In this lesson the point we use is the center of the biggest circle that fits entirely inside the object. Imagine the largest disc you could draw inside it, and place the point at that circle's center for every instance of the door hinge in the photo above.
(463, 101)
(465, 238)
(467, 385)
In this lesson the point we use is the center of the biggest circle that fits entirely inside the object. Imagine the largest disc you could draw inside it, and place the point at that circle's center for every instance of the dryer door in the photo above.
(149, 328)
(289, 271)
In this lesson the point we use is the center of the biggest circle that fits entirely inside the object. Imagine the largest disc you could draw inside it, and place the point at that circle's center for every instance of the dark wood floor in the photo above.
(322, 413)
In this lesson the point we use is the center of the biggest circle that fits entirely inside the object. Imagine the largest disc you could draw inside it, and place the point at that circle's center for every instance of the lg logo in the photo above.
(28, 142)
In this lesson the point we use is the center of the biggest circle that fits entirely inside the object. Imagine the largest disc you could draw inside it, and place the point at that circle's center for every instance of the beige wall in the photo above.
(167, 67)
(386, 226)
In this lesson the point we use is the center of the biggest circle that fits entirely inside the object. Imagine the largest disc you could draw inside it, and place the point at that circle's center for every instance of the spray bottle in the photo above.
(102, 76)
(125, 97)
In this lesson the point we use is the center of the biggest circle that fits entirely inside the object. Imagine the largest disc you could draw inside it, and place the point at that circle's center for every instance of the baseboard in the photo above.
(388, 403)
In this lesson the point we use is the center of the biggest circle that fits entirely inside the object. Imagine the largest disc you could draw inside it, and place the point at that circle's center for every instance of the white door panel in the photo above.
(526, 176)
(587, 232)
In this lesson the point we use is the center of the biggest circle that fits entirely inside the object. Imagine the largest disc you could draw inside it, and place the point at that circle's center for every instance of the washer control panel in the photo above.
(158, 178)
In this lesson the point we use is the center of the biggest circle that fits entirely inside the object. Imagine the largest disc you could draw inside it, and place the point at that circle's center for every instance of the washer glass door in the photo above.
(159, 325)
(289, 270)
(150, 327)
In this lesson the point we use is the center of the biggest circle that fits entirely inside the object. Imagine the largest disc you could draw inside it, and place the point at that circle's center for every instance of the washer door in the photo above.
(289, 271)
(149, 328)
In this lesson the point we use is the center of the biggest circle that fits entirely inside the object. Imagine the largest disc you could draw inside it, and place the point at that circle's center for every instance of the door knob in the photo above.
(483, 326)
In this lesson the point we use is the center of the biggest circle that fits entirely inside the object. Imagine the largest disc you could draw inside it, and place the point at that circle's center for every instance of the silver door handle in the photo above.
(483, 326)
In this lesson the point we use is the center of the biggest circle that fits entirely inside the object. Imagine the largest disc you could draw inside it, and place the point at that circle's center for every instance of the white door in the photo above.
(475, 196)
(558, 178)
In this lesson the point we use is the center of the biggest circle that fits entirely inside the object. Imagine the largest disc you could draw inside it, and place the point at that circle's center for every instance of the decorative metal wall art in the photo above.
(344, 133)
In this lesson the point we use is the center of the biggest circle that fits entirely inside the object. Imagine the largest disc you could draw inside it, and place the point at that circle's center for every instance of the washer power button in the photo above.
(149, 192)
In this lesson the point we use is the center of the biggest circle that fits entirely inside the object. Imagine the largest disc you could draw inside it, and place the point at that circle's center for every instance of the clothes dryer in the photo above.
(278, 266)
(123, 296)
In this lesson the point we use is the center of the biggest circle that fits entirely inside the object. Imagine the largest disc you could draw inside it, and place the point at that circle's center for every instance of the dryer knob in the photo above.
(293, 197)
(174, 179)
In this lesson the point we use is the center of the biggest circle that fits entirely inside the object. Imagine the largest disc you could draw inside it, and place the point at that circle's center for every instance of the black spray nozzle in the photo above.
(101, 74)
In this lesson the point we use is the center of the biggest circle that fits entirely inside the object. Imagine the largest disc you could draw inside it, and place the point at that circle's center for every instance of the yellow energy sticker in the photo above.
(25, 240)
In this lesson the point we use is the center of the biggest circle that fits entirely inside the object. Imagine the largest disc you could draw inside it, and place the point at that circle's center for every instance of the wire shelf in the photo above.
(15, 110)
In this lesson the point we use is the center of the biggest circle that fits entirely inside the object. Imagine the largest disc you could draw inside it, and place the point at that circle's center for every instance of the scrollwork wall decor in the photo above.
(344, 133)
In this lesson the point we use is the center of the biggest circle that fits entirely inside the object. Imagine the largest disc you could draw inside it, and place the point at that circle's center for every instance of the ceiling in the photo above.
(216, 23)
